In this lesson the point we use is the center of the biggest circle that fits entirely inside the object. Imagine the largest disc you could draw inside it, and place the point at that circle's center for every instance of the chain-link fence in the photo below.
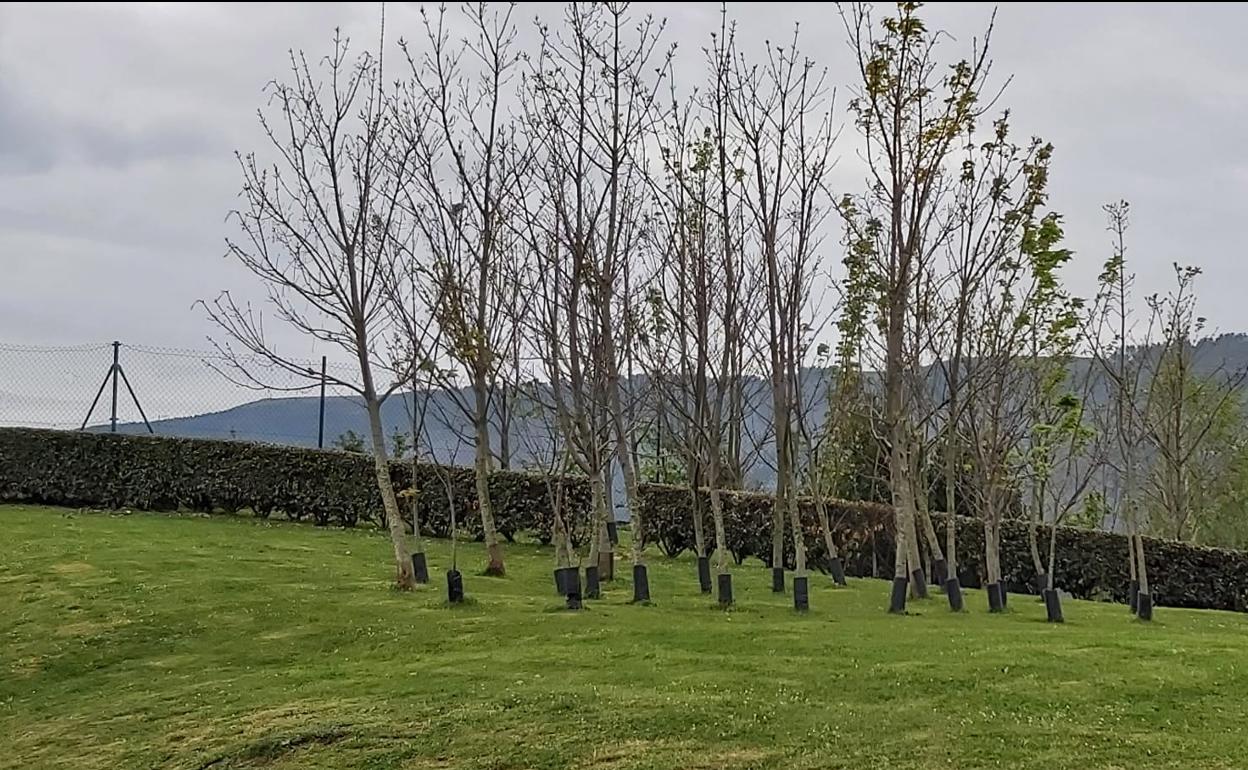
(177, 392)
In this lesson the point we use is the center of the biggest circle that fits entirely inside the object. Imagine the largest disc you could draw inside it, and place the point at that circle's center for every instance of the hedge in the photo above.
(1090, 564)
(79, 469)
(861, 528)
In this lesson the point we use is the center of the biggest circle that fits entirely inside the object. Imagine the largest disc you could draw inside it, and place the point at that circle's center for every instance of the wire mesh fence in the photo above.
(171, 391)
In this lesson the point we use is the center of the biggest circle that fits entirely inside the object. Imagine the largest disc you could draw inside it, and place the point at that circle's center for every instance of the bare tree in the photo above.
(701, 314)
(1121, 351)
(319, 225)
(466, 195)
(1153, 418)
(597, 104)
(781, 108)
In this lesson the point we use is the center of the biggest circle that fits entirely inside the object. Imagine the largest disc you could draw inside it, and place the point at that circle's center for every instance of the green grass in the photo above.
(142, 641)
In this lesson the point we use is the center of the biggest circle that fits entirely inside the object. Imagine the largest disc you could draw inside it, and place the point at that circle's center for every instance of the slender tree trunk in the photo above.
(504, 433)
(1135, 576)
(902, 505)
(914, 558)
(1142, 566)
(1052, 571)
(799, 538)
(721, 536)
(599, 541)
(903, 523)
(699, 534)
(951, 524)
(825, 524)
(781, 427)
(777, 530)
(1033, 544)
(563, 546)
(918, 481)
(723, 576)
(624, 455)
(992, 554)
(405, 578)
(929, 529)
(415, 508)
(783, 481)
(493, 548)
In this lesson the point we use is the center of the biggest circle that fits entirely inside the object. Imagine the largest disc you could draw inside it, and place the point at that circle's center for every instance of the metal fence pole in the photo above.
(320, 424)
(113, 416)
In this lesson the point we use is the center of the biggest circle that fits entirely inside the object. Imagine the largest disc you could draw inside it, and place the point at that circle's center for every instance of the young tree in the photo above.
(596, 104)
(700, 309)
(470, 161)
(1017, 295)
(1121, 354)
(1058, 458)
(781, 108)
(318, 224)
(910, 112)
(983, 235)
(1191, 414)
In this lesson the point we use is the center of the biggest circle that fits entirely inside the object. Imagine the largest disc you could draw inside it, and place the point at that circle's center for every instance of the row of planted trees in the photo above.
(597, 256)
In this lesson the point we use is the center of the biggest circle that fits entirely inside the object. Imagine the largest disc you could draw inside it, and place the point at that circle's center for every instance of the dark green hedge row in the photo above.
(326, 487)
(858, 526)
(1093, 565)
(1090, 564)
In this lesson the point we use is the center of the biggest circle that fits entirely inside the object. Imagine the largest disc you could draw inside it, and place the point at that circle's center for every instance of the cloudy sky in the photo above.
(118, 126)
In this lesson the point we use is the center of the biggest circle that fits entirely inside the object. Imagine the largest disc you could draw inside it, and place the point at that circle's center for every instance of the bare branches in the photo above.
(321, 225)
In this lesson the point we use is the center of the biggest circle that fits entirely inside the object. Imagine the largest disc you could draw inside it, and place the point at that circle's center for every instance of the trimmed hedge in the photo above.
(860, 528)
(80, 469)
(1090, 564)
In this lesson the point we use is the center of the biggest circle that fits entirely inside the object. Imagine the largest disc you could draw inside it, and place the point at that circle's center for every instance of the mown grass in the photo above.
(137, 641)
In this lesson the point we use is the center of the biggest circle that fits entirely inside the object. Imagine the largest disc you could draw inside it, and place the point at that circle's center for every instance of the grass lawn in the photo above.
(139, 641)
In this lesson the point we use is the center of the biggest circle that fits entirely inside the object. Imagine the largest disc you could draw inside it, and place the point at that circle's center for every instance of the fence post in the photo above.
(113, 415)
(320, 423)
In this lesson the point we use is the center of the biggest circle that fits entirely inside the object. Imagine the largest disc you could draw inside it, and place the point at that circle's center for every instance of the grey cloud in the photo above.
(117, 126)
(36, 139)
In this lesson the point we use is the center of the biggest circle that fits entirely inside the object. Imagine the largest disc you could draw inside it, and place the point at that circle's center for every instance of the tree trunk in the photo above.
(777, 535)
(777, 513)
(951, 524)
(415, 509)
(1051, 573)
(1033, 545)
(493, 548)
(799, 539)
(599, 542)
(1131, 553)
(699, 534)
(903, 524)
(918, 579)
(721, 537)
(825, 525)
(929, 529)
(1142, 566)
(919, 492)
(504, 430)
(992, 549)
(405, 578)
(562, 539)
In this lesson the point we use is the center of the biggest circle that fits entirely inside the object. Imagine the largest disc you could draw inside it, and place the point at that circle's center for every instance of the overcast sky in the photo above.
(118, 126)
